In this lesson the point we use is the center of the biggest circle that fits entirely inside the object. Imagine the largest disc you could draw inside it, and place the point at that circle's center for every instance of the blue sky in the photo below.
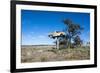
(36, 25)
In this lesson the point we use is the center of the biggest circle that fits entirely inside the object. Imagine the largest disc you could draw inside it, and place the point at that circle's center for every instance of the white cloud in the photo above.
(41, 36)
(31, 32)
(31, 39)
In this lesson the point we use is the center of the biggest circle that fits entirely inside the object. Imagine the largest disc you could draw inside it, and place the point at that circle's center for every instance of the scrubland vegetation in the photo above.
(29, 55)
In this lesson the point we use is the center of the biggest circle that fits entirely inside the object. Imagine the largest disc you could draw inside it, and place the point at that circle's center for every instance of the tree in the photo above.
(72, 30)
(77, 41)
(63, 42)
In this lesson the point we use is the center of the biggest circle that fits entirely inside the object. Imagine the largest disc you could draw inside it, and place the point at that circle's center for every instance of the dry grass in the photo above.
(44, 55)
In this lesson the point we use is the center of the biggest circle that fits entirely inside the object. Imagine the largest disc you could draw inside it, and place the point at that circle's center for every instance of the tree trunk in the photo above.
(69, 42)
(57, 43)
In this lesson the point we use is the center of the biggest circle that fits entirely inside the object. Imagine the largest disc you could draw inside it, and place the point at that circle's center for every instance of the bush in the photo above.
(43, 59)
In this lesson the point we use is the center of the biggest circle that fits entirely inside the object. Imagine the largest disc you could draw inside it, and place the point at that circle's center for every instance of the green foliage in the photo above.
(72, 30)
(43, 59)
(53, 50)
(77, 41)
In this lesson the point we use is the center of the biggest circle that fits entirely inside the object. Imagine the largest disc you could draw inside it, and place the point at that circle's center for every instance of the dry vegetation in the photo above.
(29, 55)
